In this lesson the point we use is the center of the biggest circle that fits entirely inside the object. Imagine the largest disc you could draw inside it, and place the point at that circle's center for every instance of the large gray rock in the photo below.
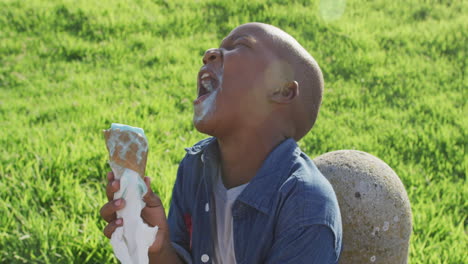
(374, 207)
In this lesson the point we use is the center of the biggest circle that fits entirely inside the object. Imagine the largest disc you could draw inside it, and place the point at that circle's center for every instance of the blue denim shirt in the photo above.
(287, 214)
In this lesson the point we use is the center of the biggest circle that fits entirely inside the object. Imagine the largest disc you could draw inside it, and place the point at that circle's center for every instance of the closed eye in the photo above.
(234, 45)
(242, 41)
(240, 44)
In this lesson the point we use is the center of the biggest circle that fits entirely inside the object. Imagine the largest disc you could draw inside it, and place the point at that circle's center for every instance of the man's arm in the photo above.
(312, 244)
(178, 216)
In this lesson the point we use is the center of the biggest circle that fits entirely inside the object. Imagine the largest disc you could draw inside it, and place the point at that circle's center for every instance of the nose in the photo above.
(212, 55)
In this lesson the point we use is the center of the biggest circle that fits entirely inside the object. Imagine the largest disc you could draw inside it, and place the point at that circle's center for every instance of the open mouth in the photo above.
(207, 84)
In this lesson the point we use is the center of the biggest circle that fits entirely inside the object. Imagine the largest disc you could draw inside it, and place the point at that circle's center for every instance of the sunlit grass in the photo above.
(395, 87)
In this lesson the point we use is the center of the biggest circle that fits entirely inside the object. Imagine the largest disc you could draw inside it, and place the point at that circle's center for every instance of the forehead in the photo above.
(251, 32)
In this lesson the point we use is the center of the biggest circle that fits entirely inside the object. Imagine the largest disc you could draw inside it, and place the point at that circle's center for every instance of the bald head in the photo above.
(294, 63)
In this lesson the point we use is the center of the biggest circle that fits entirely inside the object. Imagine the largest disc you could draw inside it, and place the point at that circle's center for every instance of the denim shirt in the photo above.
(287, 214)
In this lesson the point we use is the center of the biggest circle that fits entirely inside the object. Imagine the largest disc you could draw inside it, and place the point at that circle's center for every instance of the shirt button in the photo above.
(207, 207)
(205, 258)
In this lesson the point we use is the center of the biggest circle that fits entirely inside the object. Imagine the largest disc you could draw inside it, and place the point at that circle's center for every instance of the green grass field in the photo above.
(395, 87)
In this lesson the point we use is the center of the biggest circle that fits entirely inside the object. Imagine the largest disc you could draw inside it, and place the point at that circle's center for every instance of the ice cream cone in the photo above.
(127, 149)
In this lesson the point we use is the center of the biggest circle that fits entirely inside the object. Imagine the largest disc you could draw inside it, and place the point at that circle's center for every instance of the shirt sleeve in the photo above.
(313, 244)
(177, 219)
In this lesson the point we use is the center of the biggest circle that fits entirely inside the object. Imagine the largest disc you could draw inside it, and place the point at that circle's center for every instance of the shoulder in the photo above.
(306, 180)
(307, 198)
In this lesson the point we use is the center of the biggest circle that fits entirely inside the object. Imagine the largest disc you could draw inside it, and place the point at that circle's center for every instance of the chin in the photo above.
(203, 126)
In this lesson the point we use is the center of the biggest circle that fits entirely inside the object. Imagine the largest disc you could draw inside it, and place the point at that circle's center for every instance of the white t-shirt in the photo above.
(223, 236)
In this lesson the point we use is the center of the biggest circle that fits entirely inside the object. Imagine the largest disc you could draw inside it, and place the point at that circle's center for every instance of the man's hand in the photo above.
(153, 214)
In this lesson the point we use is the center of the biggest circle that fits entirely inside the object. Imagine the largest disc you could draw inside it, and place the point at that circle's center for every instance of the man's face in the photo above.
(232, 86)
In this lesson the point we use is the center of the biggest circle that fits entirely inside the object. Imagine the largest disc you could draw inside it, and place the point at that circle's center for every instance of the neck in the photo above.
(242, 155)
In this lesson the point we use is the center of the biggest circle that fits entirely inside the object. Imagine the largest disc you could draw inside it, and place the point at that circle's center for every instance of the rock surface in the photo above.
(374, 207)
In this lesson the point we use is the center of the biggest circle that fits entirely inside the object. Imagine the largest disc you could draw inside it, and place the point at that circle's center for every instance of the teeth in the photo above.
(207, 85)
(206, 82)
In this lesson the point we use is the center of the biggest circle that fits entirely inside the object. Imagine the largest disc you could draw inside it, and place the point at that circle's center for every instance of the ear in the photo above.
(285, 94)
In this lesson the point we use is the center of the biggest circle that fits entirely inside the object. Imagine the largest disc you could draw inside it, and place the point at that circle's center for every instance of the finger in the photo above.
(154, 216)
(110, 228)
(151, 199)
(108, 210)
(147, 181)
(112, 187)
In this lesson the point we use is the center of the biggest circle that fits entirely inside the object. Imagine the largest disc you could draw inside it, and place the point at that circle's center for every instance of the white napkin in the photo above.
(132, 240)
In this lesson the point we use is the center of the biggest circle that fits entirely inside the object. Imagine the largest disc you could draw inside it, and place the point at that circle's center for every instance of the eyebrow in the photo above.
(235, 38)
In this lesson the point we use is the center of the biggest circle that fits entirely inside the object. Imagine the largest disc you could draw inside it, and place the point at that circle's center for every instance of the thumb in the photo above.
(151, 199)
(147, 181)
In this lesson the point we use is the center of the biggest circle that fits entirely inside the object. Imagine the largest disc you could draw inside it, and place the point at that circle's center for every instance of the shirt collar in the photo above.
(200, 146)
(274, 171)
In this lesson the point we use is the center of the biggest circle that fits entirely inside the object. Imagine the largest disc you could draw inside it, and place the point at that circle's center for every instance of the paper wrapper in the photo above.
(127, 149)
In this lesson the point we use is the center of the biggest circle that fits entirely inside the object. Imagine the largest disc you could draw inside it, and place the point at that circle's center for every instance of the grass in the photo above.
(395, 87)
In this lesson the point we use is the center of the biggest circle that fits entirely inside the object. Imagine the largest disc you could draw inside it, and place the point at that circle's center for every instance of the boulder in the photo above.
(374, 205)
